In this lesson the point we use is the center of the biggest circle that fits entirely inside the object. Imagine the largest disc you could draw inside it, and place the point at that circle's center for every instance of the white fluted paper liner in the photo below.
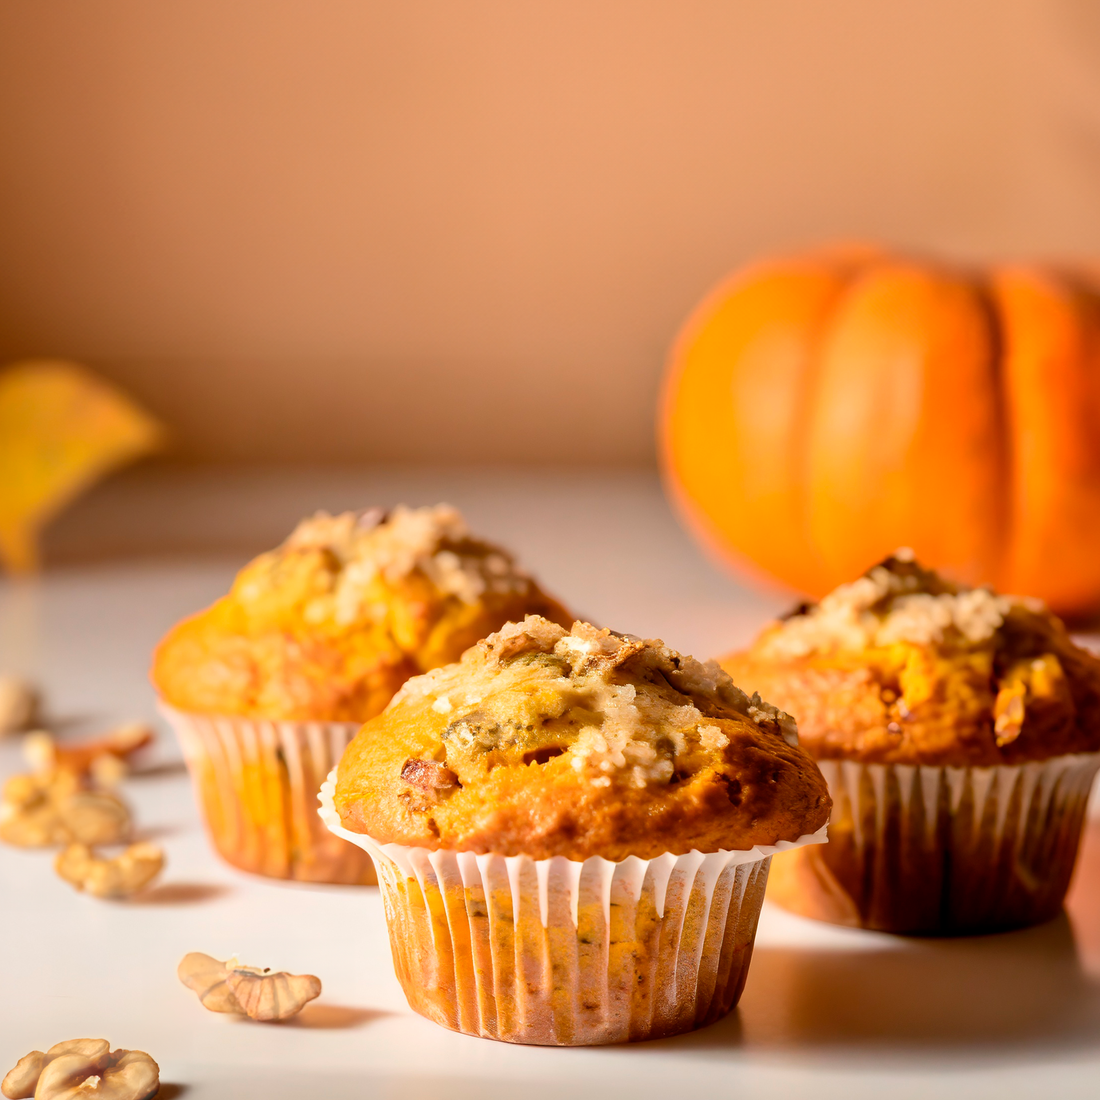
(557, 951)
(946, 850)
(257, 783)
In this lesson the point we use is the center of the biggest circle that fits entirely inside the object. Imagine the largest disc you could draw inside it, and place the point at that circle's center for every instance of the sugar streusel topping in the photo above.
(434, 541)
(896, 601)
(624, 709)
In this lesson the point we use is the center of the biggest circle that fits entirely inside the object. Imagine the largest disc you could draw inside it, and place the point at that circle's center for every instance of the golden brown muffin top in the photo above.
(331, 623)
(544, 741)
(907, 667)
(357, 559)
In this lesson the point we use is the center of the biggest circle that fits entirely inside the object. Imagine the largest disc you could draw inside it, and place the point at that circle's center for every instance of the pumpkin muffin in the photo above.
(959, 731)
(267, 686)
(597, 807)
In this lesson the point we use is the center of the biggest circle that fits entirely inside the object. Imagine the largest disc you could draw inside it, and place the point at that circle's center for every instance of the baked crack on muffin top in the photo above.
(905, 666)
(545, 741)
(329, 625)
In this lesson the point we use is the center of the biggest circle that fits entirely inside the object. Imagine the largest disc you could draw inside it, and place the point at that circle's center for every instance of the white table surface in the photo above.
(826, 1012)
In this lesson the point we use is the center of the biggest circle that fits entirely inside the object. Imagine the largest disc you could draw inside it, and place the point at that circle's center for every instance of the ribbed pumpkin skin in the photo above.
(822, 410)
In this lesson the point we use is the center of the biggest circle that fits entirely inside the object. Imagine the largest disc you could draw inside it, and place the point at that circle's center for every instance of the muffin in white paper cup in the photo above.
(256, 783)
(267, 685)
(572, 832)
(568, 953)
(944, 850)
(959, 731)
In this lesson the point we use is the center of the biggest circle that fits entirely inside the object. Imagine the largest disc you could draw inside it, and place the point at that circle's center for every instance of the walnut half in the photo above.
(120, 877)
(37, 811)
(105, 758)
(246, 990)
(83, 1065)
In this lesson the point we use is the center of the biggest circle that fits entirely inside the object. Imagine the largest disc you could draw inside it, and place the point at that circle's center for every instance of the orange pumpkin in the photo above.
(820, 411)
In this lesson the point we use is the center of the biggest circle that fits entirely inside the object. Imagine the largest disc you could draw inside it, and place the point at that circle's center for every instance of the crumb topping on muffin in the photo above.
(362, 546)
(896, 601)
(580, 741)
(634, 728)
(904, 666)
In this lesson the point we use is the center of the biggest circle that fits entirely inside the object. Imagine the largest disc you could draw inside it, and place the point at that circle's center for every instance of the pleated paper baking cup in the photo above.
(560, 952)
(942, 851)
(257, 784)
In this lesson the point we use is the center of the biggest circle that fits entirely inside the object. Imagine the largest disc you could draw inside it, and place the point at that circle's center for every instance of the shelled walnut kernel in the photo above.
(103, 758)
(120, 877)
(246, 990)
(80, 1066)
(38, 811)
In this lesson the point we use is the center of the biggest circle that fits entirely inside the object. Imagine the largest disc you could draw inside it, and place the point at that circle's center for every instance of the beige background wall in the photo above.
(356, 229)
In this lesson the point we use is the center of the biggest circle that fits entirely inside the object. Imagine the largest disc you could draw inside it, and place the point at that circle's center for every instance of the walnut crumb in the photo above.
(433, 780)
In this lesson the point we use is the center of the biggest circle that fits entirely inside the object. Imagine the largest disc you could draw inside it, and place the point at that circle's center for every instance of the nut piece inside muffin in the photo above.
(329, 625)
(545, 741)
(905, 666)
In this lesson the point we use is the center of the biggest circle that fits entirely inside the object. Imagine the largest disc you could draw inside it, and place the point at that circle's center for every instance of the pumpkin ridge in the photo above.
(1052, 387)
(715, 436)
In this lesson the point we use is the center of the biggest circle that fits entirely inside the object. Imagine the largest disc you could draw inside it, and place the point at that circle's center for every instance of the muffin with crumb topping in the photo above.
(267, 686)
(959, 731)
(597, 808)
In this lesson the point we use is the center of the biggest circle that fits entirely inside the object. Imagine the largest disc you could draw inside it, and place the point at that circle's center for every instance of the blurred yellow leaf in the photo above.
(61, 429)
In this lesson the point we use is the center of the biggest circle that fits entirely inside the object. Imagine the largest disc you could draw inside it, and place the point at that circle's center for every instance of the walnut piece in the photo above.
(120, 877)
(105, 758)
(433, 780)
(18, 705)
(246, 990)
(40, 811)
(81, 1067)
